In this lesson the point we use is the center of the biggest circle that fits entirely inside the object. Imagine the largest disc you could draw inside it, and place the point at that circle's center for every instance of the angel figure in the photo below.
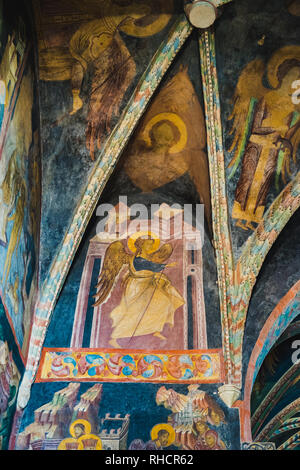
(192, 417)
(98, 45)
(149, 300)
(266, 128)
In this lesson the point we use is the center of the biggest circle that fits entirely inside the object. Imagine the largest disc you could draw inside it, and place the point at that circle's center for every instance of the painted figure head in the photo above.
(162, 135)
(79, 430)
(211, 438)
(144, 245)
(162, 438)
(200, 427)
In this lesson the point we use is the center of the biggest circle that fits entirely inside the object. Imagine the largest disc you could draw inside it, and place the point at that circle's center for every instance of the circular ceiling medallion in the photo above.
(201, 14)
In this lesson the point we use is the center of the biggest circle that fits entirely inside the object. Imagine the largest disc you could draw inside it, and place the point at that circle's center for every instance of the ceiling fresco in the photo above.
(260, 109)
(89, 60)
(149, 235)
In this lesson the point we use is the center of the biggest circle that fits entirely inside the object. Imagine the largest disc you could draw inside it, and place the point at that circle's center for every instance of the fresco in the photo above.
(84, 417)
(275, 394)
(91, 56)
(260, 110)
(130, 366)
(149, 323)
(277, 277)
(11, 369)
(19, 163)
(140, 298)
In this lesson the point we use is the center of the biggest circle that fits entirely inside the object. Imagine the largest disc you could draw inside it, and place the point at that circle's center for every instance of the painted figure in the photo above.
(266, 127)
(97, 47)
(81, 439)
(167, 145)
(149, 300)
(162, 437)
(194, 418)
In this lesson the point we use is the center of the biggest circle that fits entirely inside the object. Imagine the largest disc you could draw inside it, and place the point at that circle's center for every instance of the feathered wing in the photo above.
(248, 92)
(171, 400)
(114, 260)
(161, 255)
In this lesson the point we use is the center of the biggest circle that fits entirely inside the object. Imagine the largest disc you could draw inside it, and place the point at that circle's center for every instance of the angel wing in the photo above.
(171, 400)
(161, 255)
(248, 92)
(114, 260)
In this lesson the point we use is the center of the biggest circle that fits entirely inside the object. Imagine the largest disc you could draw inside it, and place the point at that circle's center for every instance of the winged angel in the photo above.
(149, 300)
(266, 128)
(99, 46)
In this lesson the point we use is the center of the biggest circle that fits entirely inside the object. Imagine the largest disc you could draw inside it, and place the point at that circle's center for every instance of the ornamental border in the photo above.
(110, 353)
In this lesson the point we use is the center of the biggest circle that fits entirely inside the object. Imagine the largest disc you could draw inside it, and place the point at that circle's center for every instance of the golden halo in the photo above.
(167, 427)
(62, 445)
(90, 436)
(177, 121)
(86, 424)
(285, 54)
(135, 236)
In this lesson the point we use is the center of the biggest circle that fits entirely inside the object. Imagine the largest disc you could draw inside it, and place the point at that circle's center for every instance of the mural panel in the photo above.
(260, 108)
(85, 417)
(20, 174)
(139, 294)
(11, 368)
(92, 55)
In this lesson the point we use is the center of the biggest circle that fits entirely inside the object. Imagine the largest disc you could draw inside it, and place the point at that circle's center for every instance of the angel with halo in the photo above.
(149, 300)
(266, 129)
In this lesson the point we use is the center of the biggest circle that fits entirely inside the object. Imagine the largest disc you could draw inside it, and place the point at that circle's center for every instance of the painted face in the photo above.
(215, 417)
(163, 134)
(164, 438)
(148, 244)
(201, 427)
(78, 431)
(211, 440)
(289, 79)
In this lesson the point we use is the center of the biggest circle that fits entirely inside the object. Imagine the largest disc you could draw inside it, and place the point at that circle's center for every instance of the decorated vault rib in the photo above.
(291, 443)
(290, 378)
(282, 316)
(100, 175)
(287, 413)
(279, 325)
(250, 263)
(218, 188)
(130, 366)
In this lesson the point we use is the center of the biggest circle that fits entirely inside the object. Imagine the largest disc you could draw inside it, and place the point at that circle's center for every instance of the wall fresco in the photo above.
(130, 366)
(20, 174)
(11, 368)
(82, 417)
(92, 55)
(260, 116)
(103, 271)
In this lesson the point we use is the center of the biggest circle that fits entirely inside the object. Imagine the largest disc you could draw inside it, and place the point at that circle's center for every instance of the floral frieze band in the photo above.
(94, 365)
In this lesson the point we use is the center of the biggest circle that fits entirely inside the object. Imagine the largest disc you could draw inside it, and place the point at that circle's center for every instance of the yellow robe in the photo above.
(149, 302)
